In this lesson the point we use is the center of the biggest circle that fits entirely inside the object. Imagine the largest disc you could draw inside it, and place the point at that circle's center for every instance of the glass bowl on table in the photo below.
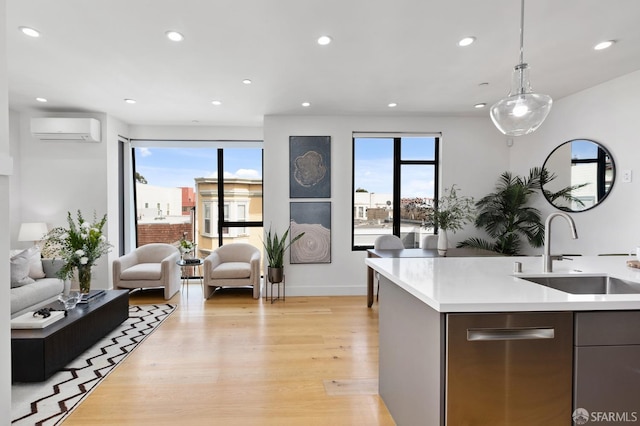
(70, 300)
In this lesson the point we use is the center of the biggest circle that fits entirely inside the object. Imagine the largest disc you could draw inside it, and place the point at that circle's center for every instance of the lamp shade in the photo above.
(523, 111)
(521, 114)
(32, 231)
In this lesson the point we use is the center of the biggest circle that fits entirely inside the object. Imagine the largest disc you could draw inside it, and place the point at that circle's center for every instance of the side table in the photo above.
(184, 264)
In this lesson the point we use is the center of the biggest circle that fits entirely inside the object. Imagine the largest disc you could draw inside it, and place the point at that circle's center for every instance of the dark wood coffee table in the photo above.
(38, 353)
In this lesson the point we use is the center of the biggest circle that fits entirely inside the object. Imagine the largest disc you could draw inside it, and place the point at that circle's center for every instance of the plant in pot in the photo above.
(507, 217)
(275, 248)
(451, 213)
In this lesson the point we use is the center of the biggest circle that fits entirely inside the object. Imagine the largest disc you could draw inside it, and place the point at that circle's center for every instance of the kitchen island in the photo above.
(540, 378)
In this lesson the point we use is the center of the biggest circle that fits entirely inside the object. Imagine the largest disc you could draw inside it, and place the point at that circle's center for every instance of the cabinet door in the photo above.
(607, 380)
(509, 369)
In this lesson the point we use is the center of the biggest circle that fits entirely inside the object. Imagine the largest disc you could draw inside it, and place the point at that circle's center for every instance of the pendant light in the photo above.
(523, 111)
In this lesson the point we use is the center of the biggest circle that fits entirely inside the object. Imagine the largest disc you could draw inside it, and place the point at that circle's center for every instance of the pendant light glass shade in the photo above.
(523, 111)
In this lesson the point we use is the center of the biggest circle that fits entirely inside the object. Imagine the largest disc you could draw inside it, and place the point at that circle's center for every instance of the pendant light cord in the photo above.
(522, 31)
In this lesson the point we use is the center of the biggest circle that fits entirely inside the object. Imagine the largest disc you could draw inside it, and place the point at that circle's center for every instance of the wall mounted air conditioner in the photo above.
(66, 129)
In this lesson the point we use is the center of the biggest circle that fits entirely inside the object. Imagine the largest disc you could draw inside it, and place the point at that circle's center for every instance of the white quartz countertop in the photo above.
(489, 284)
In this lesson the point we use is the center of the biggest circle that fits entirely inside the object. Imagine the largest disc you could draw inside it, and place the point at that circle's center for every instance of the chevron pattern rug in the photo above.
(50, 402)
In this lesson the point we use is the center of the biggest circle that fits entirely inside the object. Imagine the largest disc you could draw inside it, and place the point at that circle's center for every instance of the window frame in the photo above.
(398, 162)
(226, 223)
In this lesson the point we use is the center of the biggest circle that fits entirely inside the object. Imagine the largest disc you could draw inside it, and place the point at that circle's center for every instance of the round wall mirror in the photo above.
(580, 174)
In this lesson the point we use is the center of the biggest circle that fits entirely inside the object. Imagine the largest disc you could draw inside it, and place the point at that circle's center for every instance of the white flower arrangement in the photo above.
(81, 245)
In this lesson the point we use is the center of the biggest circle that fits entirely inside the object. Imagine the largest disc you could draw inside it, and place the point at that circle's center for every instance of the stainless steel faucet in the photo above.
(546, 257)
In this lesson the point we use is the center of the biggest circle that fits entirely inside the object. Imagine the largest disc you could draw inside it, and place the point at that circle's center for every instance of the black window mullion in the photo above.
(436, 174)
(396, 185)
(135, 196)
(220, 220)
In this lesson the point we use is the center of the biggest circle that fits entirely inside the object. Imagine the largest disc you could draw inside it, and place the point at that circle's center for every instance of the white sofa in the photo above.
(39, 287)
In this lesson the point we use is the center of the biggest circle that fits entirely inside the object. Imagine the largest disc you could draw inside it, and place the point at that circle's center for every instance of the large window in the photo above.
(395, 181)
(212, 196)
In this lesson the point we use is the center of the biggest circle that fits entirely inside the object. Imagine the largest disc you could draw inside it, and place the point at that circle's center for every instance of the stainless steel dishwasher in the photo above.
(509, 369)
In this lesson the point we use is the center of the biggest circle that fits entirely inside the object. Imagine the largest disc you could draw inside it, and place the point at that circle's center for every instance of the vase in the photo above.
(84, 278)
(275, 274)
(443, 242)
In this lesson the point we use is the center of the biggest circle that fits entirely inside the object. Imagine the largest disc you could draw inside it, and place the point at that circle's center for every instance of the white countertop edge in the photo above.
(538, 297)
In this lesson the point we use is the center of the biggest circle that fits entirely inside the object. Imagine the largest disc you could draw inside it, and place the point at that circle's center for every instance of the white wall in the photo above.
(473, 154)
(114, 130)
(56, 177)
(196, 133)
(5, 171)
(608, 114)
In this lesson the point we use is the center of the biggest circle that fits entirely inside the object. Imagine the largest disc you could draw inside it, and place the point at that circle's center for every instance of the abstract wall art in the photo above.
(310, 166)
(314, 219)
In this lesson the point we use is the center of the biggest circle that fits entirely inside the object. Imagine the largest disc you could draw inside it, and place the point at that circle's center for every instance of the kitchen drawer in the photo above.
(605, 328)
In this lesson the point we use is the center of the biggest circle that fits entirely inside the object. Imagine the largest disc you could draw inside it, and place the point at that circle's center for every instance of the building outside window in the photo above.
(182, 183)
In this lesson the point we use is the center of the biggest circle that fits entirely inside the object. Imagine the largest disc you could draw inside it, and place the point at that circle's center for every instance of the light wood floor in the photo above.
(232, 360)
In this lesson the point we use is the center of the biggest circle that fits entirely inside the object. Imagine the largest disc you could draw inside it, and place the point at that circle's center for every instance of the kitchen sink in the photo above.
(587, 284)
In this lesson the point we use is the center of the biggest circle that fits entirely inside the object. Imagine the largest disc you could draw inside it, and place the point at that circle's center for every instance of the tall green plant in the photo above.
(505, 216)
(275, 247)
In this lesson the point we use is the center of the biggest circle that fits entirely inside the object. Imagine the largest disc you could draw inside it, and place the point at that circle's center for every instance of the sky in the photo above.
(177, 167)
(374, 166)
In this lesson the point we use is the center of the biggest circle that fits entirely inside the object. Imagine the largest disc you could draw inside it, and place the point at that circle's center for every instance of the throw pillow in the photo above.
(20, 271)
(52, 266)
(36, 271)
(32, 254)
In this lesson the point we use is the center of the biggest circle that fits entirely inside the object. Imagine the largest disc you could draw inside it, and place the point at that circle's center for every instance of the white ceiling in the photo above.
(94, 53)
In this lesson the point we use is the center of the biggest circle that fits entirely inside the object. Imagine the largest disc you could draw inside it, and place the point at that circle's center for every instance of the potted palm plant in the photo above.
(275, 248)
(507, 217)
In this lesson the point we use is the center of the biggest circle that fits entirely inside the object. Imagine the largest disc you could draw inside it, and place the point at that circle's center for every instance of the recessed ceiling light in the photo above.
(130, 101)
(41, 99)
(246, 81)
(480, 105)
(604, 45)
(174, 36)
(29, 31)
(216, 103)
(392, 105)
(324, 40)
(306, 104)
(466, 41)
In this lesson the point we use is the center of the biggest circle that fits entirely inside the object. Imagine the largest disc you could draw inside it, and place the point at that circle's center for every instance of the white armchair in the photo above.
(232, 265)
(151, 265)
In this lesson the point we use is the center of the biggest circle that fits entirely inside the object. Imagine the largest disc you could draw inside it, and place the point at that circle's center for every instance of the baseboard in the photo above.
(324, 291)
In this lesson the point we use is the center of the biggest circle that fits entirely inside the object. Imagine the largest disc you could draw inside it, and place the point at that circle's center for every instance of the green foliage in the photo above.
(185, 245)
(452, 211)
(564, 194)
(80, 245)
(140, 179)
(275, 247)
(505, 216)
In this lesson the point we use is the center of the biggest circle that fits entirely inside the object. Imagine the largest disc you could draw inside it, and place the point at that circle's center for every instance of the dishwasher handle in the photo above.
(524, 333)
